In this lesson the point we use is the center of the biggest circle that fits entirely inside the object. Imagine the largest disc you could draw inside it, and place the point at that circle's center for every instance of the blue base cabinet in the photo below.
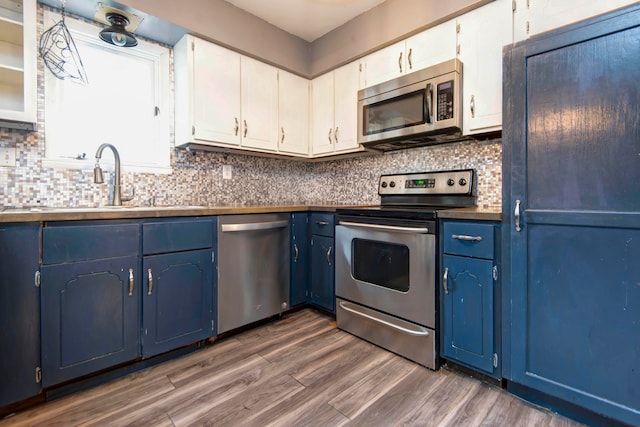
(299, 258)
(19, 312)
(469, 296)
(178, 294)
(90, 317)
(572, 213)
(90, 293)
(322, 271)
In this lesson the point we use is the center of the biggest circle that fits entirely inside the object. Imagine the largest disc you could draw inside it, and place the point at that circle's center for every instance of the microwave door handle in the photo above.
(428, 101)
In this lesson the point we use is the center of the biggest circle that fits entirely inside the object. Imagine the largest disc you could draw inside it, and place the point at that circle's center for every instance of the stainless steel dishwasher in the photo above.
(253, 268)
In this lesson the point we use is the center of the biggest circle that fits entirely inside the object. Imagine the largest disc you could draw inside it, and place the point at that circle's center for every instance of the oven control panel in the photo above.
(445, 182)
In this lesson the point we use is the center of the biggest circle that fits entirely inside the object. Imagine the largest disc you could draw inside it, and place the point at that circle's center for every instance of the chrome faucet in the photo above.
(98, 178)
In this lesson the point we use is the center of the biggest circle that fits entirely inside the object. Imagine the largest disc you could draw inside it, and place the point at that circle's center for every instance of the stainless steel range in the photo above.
(386, 261)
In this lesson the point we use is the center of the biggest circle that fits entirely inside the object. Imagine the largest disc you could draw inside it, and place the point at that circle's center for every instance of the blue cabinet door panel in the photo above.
(89, 317)
(299, 258)
(177, 300)
(468, 329)
(322, 272)
(582, 313)
(19, 312)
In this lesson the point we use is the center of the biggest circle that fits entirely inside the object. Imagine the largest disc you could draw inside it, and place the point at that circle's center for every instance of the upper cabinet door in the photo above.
(322, 114)
(536, 16)
(18, 63)
(482, 34)
(385, 64)
(431, 47)
(293, 109)
(215, 93)
(259, 90)
(346, 83)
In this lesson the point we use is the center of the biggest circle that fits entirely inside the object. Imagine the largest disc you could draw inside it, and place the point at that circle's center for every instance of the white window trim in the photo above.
(87, 32)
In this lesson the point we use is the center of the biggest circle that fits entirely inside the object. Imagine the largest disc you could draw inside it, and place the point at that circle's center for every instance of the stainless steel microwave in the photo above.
(421, 108)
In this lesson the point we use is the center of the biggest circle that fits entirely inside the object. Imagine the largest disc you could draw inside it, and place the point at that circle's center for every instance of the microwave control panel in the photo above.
(444, 107)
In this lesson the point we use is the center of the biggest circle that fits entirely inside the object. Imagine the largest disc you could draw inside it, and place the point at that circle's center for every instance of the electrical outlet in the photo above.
(8, 156)
(227, 171)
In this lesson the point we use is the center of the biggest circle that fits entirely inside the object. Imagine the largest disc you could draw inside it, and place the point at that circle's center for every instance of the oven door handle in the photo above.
(416, 332)
(416, 230)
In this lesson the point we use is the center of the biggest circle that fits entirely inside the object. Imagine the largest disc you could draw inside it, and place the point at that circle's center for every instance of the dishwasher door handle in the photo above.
(253, 226)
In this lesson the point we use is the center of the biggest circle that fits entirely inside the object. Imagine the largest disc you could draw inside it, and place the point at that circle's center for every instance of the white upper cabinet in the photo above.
(334, 106)
(293, 111)
(430, 47)
(224, 99)
(481, 35)
(532, 17)
(18, 64)
(259, 89)
(207, 92)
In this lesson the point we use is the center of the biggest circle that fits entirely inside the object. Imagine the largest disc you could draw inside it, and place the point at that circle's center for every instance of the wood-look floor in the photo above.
(297, 371)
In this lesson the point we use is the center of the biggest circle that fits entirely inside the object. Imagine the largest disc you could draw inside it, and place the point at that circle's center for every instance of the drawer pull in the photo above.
(466, 238)
(322, 223)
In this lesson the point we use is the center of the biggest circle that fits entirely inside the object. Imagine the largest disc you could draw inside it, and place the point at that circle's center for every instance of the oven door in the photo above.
(390, 268)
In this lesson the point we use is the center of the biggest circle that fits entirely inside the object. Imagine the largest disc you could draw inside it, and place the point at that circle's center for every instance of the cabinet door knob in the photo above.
(330, 135)
(282, 139)
(400, 62)
(409, 58)
(295, 252)
(236, 127)
(472, 106)
(329, 255)
(445, 279)
(335, 134)
(246, 128)
(516, 216)
(131, 282)
(150, 282)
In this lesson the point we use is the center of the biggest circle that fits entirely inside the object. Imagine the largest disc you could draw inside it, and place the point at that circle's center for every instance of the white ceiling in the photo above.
(307, 19)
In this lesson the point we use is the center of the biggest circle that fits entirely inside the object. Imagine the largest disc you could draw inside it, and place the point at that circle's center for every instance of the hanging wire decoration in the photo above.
(59, 52)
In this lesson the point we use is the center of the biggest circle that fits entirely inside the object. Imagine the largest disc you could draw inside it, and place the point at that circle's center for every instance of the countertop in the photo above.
(131, 212)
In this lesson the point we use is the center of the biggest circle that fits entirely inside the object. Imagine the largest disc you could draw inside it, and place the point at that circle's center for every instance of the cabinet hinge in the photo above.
(457, 28)
(193, 46)
(457, 49)
(38, 375)
(193, 130)
(36, 279)
(360, 67)
(528, 4)
(213, 326)
(213, 257)
(527, 27)
(495, 360)
(495, 272)
(513, 6)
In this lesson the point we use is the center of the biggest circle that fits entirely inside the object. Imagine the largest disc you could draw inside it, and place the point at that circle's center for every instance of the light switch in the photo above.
(8, 156)
(227, 171)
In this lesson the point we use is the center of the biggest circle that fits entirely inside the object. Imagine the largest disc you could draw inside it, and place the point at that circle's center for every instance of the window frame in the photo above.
(87, 33)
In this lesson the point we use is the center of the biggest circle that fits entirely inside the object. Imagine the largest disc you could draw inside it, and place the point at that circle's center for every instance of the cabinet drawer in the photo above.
(322, 224)
(86, 242)
(176, 236)
(468, 239)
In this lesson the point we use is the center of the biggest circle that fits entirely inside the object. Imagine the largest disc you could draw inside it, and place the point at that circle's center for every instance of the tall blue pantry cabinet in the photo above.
(571, 209)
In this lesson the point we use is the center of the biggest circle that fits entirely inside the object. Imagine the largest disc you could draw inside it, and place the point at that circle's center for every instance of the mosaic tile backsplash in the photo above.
(197, 179)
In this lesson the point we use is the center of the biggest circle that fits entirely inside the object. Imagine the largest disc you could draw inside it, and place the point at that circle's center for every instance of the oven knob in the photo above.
(450, 182)
(392, 184)
(462, 181)
(384, 184)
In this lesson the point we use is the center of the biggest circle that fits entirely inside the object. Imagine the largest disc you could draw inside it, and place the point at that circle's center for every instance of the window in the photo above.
(125, 103)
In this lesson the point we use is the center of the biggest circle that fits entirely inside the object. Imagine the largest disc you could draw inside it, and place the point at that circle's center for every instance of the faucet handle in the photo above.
(130, 196)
